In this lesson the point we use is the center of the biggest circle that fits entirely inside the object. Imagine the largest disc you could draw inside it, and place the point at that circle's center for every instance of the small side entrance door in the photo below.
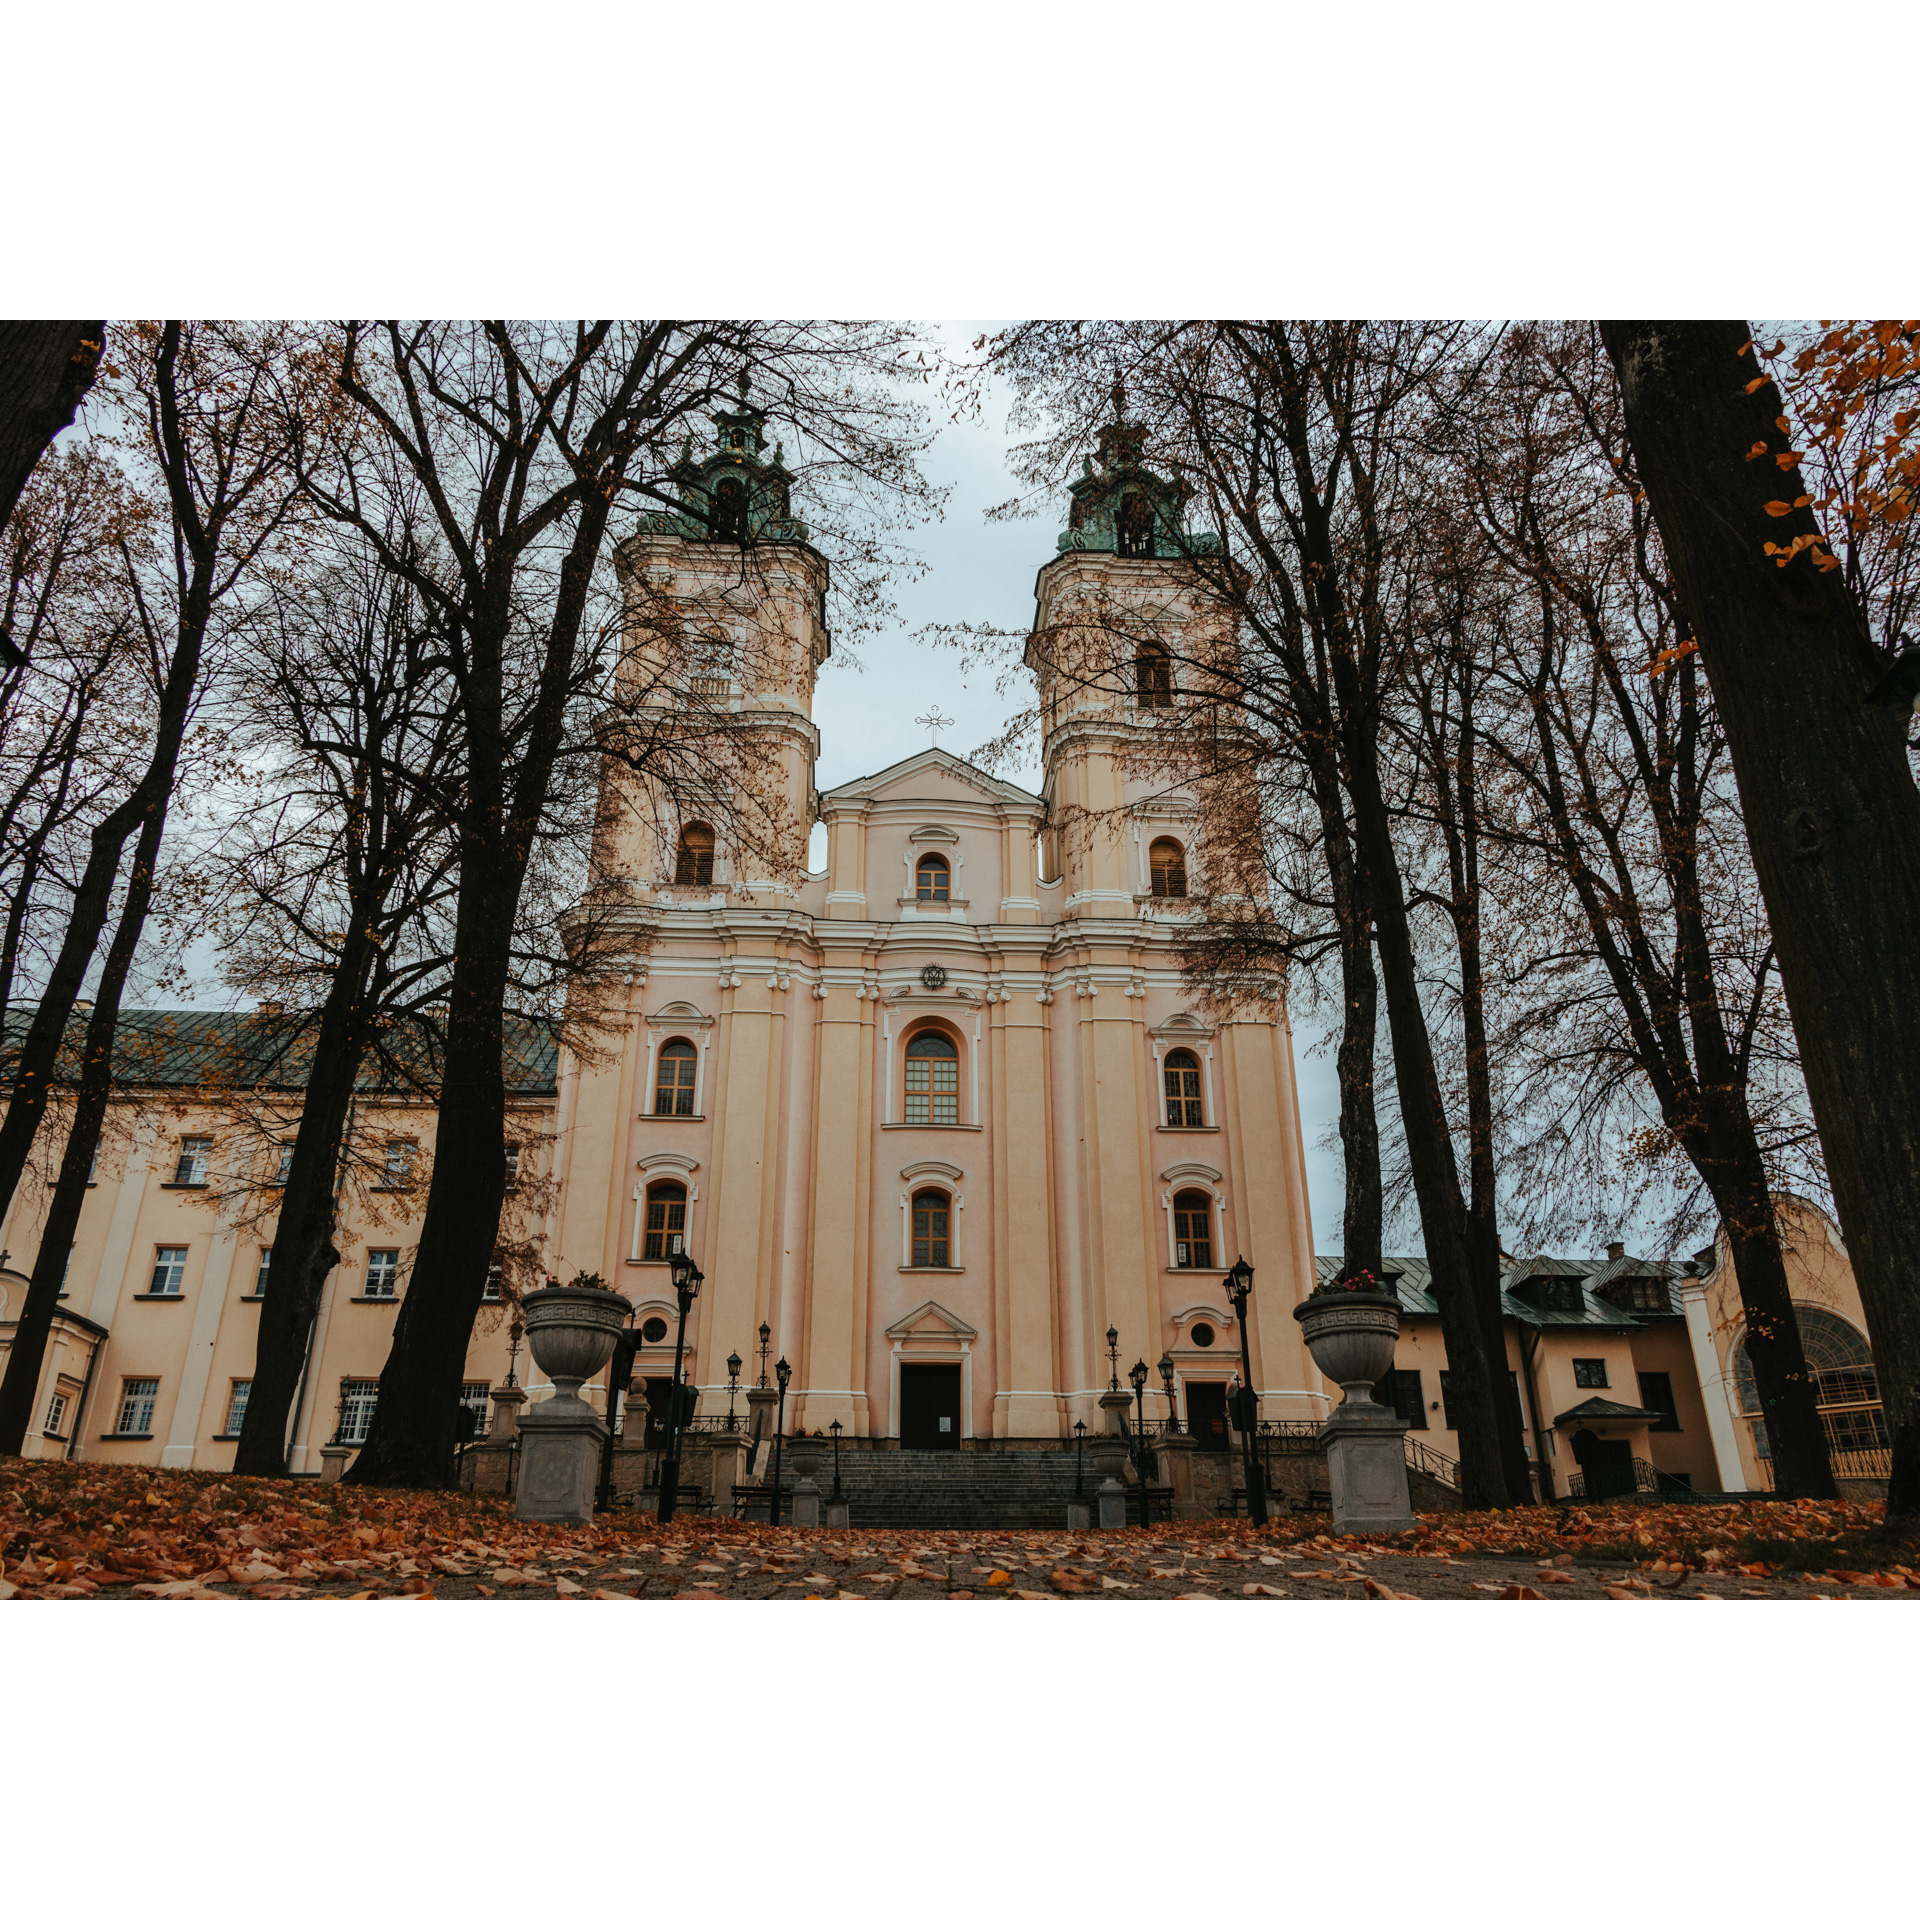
(930, 1407)
(1607, 1464)
(1207, 1414)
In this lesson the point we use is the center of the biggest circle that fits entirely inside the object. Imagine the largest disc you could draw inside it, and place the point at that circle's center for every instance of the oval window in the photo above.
(1200, 1334)
(654, 1330)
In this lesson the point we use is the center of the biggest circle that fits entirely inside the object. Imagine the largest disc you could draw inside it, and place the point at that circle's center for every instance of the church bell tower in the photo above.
(725, 629)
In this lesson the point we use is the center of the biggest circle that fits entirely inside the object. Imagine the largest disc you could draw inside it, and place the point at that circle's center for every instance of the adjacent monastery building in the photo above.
(938, 1117)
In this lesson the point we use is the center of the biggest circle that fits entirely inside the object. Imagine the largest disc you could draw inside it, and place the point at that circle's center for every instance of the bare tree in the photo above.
(1830, 806)
(199, 423)
(523, 443)
(1301, 441)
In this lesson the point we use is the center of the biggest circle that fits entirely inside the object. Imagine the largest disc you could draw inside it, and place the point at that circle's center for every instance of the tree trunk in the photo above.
(304, 1252)
(19, 1392)
(46, 367)
(411, 1440)
(1832, 815)
(1436, 1177)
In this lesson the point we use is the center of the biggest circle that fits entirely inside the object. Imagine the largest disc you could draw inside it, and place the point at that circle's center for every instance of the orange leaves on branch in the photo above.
(1671, 657)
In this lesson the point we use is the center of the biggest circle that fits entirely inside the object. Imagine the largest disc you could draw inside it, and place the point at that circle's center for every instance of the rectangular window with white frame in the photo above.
(260, 1274)
(474, 1396)
(399, 1169)
(191, 1169)
(286, 1164)
(57, 1416)
(513, 1169)
(356, 1410)
(491, 1291)
(237, 1393)
(383, 1273)
(137, 1401)
(169, 1270)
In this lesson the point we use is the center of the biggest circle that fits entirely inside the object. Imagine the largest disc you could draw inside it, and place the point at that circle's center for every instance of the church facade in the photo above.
(943, 1114)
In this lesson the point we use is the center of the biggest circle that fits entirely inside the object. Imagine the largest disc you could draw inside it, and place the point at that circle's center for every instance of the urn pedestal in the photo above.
(1351, 1337)
(571, 1333)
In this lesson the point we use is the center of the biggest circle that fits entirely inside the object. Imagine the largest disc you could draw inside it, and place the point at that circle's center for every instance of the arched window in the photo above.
(932, 1223)
(933, 1080)
(1844, 1381)
(932, 881)
(693, 865)
(1183, 1091)
(1192, 1229)
(666, 1221)
(1133, 526)
(1152, 676)
(730, 512)
(673, 1087)
(1167, 864)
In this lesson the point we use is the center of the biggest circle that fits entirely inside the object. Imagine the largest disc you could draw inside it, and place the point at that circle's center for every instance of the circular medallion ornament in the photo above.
(933, 978)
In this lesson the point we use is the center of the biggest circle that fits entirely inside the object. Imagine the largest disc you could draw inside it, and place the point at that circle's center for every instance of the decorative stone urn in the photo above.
(1351, 1337)
(571, 1332)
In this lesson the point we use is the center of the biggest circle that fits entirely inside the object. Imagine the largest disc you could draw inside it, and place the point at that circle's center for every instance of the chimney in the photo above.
(1616, 1249)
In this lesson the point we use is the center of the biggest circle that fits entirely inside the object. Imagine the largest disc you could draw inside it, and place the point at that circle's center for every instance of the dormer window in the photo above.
(932, 881)
(693, 864)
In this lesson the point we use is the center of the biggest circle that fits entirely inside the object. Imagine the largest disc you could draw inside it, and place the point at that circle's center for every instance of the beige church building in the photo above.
(941, 1118)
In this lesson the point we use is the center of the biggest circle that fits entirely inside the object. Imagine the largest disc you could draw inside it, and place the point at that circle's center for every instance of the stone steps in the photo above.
(959, 1491)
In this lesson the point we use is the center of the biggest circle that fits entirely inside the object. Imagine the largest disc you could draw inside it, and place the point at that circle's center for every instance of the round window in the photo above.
(654, 1330)
(1200, 1334)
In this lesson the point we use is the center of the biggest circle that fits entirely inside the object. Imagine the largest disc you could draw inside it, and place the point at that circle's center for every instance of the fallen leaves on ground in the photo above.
(84, 1531)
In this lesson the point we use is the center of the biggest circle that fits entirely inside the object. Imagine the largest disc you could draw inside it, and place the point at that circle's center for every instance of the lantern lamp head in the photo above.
(1138, 1374)
(1166, 1369)
(783, 1372)
(733, 1366)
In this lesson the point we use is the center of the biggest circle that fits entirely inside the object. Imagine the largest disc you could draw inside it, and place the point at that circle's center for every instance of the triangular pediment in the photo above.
(933, 775)
(931, 1318)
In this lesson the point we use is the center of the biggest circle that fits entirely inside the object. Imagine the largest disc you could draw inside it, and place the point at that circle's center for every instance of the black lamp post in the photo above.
(783, 1373)
(1113, 1359)
(1166, 1380)
(1079, 1438)
(766, 1334)
(833, 1427)
(686, 1286)
(1238, 1284)
(733, 1385)
(1138, 1375)
(513, 1352)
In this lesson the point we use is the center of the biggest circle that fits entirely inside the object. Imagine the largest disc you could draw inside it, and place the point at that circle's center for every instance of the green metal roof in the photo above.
(177, 1047)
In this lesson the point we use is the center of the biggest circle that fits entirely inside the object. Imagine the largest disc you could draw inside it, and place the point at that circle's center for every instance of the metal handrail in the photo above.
(1430, 1461)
